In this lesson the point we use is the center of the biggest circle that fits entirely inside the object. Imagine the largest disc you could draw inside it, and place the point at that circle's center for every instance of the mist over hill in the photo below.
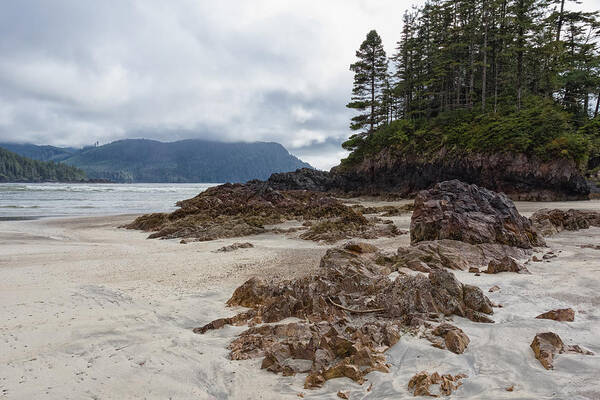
(142, 160)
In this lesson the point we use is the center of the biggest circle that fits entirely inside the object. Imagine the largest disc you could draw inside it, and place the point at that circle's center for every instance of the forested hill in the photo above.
(16, 168)
(40, 153)
(141, 160)
(481, 76)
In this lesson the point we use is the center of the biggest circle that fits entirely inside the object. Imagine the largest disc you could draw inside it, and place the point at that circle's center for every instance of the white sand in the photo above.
(92, 311)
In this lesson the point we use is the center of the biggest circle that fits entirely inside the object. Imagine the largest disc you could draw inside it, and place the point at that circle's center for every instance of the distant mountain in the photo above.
(142, 160)
(41, 153)
(16, 168)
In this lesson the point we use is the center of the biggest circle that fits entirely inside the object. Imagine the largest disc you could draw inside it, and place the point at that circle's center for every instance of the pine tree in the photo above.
(370, 79)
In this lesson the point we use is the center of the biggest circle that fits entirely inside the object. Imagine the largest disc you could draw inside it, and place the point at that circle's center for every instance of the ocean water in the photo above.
(38, 200)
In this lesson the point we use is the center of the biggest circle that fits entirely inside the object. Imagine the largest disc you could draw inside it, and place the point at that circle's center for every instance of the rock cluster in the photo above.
(450, 337)
(467, 213)
(549, 222)
(351, 312)
(235, 246)
(547, 344)
(421, 383)
(234, 210)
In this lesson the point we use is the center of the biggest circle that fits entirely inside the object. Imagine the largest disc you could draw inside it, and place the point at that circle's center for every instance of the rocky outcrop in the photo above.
(546, 345)
(562, 314)
(458, 211)
(550, 222)
(447, 336)
(421, 383)
(519, 176)
(234, 210)
(453, 254)
(351, 312)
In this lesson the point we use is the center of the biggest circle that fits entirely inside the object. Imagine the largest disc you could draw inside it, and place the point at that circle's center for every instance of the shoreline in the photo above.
(93, 310)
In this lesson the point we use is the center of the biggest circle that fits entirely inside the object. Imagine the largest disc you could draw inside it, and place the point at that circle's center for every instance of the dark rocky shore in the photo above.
(519, 176)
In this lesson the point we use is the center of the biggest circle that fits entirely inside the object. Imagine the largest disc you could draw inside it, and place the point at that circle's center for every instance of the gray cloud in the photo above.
(74, 72)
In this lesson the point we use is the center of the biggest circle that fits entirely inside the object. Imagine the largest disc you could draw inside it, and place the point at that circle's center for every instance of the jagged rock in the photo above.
(235, 246)
(234, 210)
(351, 311)
(453, 254)
(547, 344)
(494, 288)
(562, 314)
(348, 226)
(421, 382)
(468, 213)
(447, 336)
(549, 222)
(343, 395)
(506, 264)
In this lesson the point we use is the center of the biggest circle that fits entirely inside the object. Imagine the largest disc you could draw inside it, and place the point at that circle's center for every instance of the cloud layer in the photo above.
(75, 72)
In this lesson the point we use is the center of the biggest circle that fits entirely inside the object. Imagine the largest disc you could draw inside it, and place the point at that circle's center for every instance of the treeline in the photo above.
(468, 58)
(15, 168)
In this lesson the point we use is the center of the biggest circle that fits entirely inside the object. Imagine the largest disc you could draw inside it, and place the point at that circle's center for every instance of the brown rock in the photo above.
(454, 339)
(474, 270)
(235, 246)
(351, 313)
(343, 395)
(422, 381)
(506, 264)
(494, 288)
(549, 222)
(546, 345)
(563, 314)
(458, 211)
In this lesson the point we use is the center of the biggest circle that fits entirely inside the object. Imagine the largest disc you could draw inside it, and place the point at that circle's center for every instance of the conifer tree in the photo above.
(370, 81)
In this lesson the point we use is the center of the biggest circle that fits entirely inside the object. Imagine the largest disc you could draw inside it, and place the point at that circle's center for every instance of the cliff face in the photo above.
(519, 176)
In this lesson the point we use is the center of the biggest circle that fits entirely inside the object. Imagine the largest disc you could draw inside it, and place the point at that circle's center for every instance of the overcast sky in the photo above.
(73, 72)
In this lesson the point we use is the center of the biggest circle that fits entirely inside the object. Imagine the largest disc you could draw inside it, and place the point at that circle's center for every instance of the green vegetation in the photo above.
(483, 76)
(15, 168)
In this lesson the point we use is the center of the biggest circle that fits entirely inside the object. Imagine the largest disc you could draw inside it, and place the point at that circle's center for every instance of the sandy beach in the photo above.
(93, 311)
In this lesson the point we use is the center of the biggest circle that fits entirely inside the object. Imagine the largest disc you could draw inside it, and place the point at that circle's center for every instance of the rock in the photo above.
(454, 339)
(234, 210)
(360, 247)
(494, 288)
(421, 382)
(235, 246)
(453, 254)
(563, 314)
(474, 270)
(510, 388)
(521, 177)
(507, 264)
(457, 211)
(343, 395)
(349, 226)
(546, 345)
(549, 222)
(350, 312)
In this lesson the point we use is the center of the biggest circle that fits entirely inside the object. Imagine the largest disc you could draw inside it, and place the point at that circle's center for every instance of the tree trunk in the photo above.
(484, 72)
(520, 44)
(597, 104)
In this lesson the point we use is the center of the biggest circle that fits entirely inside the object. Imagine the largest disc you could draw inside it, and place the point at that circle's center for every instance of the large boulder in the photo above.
(547, 344)
(458, 211)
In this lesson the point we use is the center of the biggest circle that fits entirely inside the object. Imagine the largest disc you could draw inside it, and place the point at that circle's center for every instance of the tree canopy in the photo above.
(479, 74)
